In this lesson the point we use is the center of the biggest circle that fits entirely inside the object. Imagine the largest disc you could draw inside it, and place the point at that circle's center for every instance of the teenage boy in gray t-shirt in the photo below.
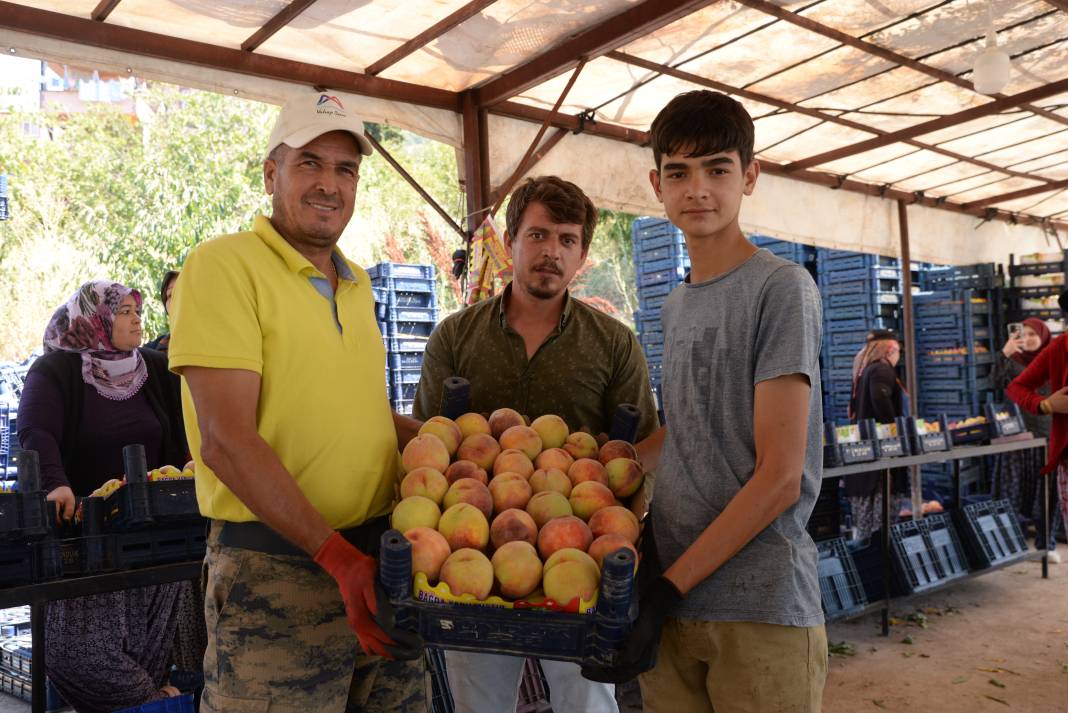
(733, 621)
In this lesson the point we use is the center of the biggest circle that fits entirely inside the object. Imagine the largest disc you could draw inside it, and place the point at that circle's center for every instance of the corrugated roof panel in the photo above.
(967, 184)
(598, 82)
(941, 176)
(859, 17)
(906, 166)
(698, 32)
(974, 126)
(921, 105)
(1030, 149)
(995, 189)
(983, 143)
(858, 162)
(824, 137)
(227, 23)
(870, 91)
(1038, 204)
(823, 74)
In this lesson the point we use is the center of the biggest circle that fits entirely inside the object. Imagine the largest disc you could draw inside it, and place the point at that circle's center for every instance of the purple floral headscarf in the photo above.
(83, 326)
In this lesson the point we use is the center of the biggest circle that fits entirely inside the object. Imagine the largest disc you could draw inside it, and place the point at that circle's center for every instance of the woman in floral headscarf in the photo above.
(93, 392)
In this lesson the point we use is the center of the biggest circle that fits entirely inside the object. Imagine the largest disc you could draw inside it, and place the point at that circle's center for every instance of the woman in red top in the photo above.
(1049, 367)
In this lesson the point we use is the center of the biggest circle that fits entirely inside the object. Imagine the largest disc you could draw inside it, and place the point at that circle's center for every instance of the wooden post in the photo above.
(908, 337)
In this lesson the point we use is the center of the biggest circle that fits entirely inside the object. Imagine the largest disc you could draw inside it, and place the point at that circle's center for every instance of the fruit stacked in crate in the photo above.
(860, 293)
(406, 307)
(660, 263)
(545, 503)
(1035, 282)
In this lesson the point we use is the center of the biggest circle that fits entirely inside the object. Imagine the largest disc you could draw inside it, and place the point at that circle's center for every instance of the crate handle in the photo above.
(455, 397)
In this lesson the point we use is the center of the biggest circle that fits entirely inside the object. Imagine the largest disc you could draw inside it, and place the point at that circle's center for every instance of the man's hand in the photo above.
(355, 575)
(1058, 401)
(640, 649)
(63, 497)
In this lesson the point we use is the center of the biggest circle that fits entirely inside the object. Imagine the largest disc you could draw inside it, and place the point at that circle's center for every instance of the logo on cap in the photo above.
(324, 98)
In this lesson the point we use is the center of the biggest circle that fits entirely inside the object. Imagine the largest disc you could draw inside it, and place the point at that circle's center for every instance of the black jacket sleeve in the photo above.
(882, 391)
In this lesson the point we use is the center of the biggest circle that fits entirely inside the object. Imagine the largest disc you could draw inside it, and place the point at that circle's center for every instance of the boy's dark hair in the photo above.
(564, 200)
(702, 122)
(168, 277)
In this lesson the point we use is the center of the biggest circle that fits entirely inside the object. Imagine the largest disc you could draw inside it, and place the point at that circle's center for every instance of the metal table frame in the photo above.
(38, 596)
(955, 455)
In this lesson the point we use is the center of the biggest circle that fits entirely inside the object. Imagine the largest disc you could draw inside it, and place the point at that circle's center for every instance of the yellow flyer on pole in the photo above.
(489, 261)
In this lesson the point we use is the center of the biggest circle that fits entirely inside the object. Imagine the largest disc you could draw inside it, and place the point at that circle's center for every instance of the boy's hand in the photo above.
(640, 649)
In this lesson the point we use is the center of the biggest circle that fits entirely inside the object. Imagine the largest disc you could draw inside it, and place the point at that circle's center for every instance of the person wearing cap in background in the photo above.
(877, 394)
(295, 444)
(166, 291)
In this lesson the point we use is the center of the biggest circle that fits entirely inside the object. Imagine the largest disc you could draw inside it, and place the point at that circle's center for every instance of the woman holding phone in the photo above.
(1016, 475)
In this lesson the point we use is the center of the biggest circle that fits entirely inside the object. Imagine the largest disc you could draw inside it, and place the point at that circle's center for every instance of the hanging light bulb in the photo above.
(992, 66)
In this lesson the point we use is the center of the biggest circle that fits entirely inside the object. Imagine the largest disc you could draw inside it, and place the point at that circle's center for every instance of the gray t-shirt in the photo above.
(722, 337)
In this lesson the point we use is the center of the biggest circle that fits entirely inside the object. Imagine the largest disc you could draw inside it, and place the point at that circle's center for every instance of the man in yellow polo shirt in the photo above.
(288, 420)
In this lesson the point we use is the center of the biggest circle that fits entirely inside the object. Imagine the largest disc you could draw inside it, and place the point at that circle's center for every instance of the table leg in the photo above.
(886, 552)
(1046, 523)
(37, 658)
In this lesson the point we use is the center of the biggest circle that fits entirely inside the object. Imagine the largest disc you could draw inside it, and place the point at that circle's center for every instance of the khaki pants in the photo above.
(736, 667)
(279, 642)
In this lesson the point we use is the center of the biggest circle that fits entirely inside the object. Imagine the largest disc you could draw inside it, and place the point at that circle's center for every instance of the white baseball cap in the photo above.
(308, 116)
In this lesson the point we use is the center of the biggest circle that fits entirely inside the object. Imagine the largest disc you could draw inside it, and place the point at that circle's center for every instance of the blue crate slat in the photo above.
(651, 302)
(667, 263)
(404, 376)
(992, 531)
(405, 344)
(849, 260)
(178, 704)
(839, 338)
(861, 298)
(404, 284)
(970, 385)
(401, 270)
(419, 300)
(653, 350)
(672, 239)
(647, 338)
(880, 272)
(404, 330)
(953, 321)
(670, 276)
(842, 350)
(851, 325)
(646, 226)
(403, 406)
(661, 290)
(404, 391)
(964, 372)
(840, 586)
(864, 311)
(413, 314)
(672, 251)
(871, 285)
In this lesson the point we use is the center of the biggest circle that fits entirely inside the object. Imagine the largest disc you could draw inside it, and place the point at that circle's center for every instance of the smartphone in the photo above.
(1015, 330)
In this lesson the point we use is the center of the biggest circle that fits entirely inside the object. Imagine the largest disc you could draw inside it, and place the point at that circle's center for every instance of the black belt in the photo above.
(258, 537)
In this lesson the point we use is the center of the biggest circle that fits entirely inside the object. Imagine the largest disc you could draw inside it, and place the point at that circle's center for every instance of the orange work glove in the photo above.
(355, 575)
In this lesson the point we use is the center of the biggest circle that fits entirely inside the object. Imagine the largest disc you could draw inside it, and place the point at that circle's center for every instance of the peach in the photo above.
(581, 445)
(546, 505)
(586, 499)
(509, 490)
(465, 469)
(191, 466)
(554, 458)
(479, 448)
(513, 461)
(468, 571)
(552, 429)
(587, 469)
(606, 545)
(425, 451)
(512, 525)
(413, 512)
(615, 520)
(616, 449)
(523, 438)
(469, 490)
(464, 525)
(517, 569)
(426, 482)
(551, 479)
(502, 419)
(568, 580)
(445, 429)
(472, 423)
(429, 551)
(624, 476)
(561, 532)
(570, 554)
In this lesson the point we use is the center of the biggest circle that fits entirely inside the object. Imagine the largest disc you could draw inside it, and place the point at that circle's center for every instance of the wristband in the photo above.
(1045, 407)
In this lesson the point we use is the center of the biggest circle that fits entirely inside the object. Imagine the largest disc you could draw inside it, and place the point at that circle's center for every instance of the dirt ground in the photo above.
(994, 643)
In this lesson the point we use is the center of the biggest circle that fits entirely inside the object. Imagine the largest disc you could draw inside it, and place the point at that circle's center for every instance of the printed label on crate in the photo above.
(848, 434)
(885, 431)
(441, 594)
(923, 426)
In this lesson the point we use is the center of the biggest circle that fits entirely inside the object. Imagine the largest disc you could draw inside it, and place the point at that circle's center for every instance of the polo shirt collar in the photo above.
(296, 262)
(565, 315)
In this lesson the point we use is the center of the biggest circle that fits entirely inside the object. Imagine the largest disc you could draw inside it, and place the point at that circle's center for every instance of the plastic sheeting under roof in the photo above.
(782, 58)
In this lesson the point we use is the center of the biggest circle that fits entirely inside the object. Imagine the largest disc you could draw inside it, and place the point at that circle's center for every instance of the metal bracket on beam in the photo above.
(917, 196)
(588, 116)
(883, 189)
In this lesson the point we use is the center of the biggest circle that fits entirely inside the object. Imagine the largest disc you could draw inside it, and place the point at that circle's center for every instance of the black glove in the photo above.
(408, 645)
(640, 648)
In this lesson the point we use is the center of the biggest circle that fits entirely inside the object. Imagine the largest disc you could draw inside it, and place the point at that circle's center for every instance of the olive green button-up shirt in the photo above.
(586, 367)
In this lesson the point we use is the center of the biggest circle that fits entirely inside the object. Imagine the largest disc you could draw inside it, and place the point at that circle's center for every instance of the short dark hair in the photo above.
(168, 277)
(702, 122)
(564, 200)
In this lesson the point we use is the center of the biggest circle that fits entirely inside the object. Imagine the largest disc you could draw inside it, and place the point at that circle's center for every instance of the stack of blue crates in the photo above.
(860, 293)
(406, 307)
(660, 263)
(804, 255)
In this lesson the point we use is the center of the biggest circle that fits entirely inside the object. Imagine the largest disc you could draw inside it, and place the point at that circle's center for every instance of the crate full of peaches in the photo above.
(516, 516)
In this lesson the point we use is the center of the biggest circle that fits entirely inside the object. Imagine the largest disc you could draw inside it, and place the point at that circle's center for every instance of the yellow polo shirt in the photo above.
(245, 301)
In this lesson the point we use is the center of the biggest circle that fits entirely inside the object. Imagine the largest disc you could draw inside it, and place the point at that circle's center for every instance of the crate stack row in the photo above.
(860, 293)
(1035, 283)
(660, 263)
(406, 307)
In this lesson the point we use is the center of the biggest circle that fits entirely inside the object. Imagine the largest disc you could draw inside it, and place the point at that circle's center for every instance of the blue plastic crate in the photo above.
(653, 350)
(649, 323)
(872, 299)
(992, 532)
(403, 392)
(383, 328)
(960, 322)
(671, 251)
(651, 302)
(879, 272)
(871, 285)
(404, 284)
(401, 270)
(837, 375)
(863, 311)
(842, 350)
(854, 338)
(405, 376)
(403, 406)
(413, 314)
(178, 704)
(854, 324)
(673, 239)
(645, 227)
(848, 260)
(934, 397)
(964, 372)
(419, 300)
(647, 338)
(926, 553)
(405, 360)
(837, 362)
(405, 344)
(659, 290)
(840, 586)
(671, 276)
(410, 329)
(972, 385)
(681, 263)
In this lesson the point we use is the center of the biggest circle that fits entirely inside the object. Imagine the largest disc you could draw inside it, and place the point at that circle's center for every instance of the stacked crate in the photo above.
(803, 255)
(660, 263)
(860, 293)
(406, 307)
(1035, 282)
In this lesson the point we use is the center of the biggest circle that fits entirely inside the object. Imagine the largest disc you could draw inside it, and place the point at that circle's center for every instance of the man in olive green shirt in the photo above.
(536, 349)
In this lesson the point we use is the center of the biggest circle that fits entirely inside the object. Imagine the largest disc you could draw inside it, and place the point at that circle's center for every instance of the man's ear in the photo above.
(508, 244)
(654, 179)
(270, 169)
(751, 175)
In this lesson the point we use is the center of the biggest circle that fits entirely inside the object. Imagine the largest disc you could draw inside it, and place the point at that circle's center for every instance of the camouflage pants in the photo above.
(279, 642)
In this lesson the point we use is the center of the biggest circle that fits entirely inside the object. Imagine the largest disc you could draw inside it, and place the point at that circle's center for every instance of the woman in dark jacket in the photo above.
(877, 394)
(92, 393)
(1016, 475)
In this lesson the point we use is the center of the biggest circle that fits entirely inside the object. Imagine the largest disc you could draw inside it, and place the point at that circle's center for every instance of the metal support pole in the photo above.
(909, 338)
(885, 542)
(38, 701)
(1047, 522)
